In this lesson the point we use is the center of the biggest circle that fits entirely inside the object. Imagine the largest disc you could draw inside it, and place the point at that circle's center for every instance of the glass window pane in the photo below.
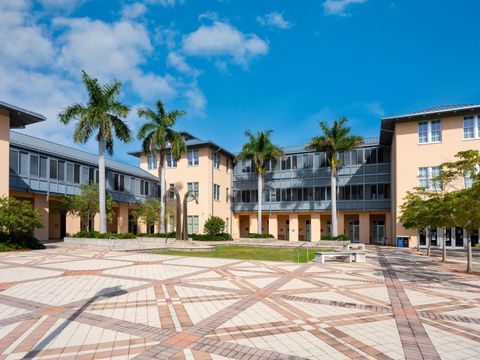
(34, 161)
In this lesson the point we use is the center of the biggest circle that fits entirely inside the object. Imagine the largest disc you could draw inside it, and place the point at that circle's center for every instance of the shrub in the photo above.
(170, 235)
(19, 241)
(149, 212)
(18, 216)
(214, 225)
(97, 235)
(208, 237)
(260, 236)
(341, 237)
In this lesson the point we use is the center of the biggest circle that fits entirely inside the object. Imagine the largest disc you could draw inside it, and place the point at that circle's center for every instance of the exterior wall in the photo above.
(245, 222)
(40, 203)
(4, 153)
(73, 225)
(206, 175)
(409, 155)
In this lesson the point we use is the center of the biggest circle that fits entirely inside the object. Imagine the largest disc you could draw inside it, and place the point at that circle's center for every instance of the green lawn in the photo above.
(248, 253)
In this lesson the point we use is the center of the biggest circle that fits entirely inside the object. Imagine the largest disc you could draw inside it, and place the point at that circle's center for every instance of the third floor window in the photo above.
(193, 158)
(152, 162)
(471, 126)
(429, 132)
(216, 160)
(171, 162)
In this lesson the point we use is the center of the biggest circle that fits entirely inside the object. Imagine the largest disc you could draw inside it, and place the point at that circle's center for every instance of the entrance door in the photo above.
(63, 225)
(132, 224)
(474, 238)
(308, 228)
(287, 231)
(354, 231)
(448, 237)
(378, 233)
(434, 236)
(459, 237)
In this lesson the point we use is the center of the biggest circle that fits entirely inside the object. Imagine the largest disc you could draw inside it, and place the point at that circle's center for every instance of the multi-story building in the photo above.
(297, 195)
(205, 169)
(41, 171)
(372, 181)
(420, 142)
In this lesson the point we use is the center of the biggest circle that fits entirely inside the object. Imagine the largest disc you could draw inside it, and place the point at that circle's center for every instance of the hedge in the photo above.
(19, 241)
(341, 237)
(208, 237)
(97, 235)
(260, 236)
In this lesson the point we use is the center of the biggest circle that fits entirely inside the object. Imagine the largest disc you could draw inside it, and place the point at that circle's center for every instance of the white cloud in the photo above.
(166, 3)
(108, 50)
(23, 42)
(178, 61)
(196, 100)
(338, 7)
(209, 15)
(274, 19)
(224, 40)
(63, 5)
(375, 108)
(151, 86)
(134, 10)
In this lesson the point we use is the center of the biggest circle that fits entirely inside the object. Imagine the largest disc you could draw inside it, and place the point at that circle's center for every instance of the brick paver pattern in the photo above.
(78, 302)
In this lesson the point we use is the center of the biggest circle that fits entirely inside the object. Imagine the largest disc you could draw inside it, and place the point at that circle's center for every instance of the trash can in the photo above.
(402, 242)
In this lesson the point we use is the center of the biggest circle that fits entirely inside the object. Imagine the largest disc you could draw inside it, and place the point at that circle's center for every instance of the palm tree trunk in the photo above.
(469, 252)
(101, 186)
(161, 176)
(260, 194)
(333, 185)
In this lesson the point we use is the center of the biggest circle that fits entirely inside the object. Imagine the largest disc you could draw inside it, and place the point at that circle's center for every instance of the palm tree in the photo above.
(157, 136)
(334, 139)
(259, 149)
(103, 113)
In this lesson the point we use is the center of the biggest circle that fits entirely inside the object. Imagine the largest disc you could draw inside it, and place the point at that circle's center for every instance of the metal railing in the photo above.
(298, 251)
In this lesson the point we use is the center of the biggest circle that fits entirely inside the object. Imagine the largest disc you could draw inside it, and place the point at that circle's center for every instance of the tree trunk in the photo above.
(429, 248)
(469, 252)
(185, 217)
(444, 250)
(333, 185)
(260, 195)
(101, 186)
(161, 173)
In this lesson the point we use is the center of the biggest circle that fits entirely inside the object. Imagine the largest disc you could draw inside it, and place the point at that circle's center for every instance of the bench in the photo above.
(354, 246)
(356, 256)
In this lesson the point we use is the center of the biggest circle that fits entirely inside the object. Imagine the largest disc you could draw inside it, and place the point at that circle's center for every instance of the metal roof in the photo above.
(387, 127)
(437, 110)
(371, 141)
(192, 142)
(19, 117)
(43, 146)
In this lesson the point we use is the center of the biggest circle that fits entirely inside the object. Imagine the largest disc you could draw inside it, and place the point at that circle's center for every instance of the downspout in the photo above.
(213, 181)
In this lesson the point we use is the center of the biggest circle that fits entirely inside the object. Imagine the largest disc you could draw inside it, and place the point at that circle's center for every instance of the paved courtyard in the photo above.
(72, 302)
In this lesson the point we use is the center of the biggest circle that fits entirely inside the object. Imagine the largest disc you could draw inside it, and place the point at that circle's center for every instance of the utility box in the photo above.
(402, 242)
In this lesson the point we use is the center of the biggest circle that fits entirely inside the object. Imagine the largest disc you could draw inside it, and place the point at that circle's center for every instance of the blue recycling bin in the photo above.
(402, 242)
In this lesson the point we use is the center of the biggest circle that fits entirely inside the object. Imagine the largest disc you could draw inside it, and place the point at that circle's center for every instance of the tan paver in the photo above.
(74, 302)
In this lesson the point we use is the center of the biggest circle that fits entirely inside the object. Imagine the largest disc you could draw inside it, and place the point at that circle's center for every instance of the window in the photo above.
(227, 195)
(91, 175)
(308, 161)
(61, 170)
(76, 172)
(119, 183)
(69, 172)
(429, 131)
(227, 165)
(216, 160)
(152, 162)
(14, 161)
(470, 127)
(171, 162)
(193, 159)
(371, 156)
(194, 188)
(171, 193)
(192, 224)
(147, 187)
(53, 169)
(469, 179)
(216, 192)
(34, 161)
(43, 167)
(24, 163)
(426, 178)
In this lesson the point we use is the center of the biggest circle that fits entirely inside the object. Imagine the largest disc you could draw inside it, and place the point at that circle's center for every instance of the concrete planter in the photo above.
(138, 243)
(257, 240)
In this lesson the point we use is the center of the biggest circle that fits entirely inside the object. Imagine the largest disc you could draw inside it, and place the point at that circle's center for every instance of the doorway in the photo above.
(354, 230)
(308, 230)
(378, 232)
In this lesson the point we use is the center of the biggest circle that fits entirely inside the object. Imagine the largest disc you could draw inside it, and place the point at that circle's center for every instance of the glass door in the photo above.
(354, 231)
(422, 237)
(448, 237)
(459, 237)
(434, 237)
(378, 233)
(287, 231)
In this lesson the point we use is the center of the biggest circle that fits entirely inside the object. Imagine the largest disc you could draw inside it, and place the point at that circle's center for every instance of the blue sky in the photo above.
(235, 65)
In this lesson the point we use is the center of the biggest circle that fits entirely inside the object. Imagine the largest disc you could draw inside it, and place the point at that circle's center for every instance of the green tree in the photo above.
(157, 137)
(85, 205)
(149, 212)
(414, 212)
(102, 113)
(17, 217)
(259, 149)
(214, 225)
(333, 140)
(465, 201)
